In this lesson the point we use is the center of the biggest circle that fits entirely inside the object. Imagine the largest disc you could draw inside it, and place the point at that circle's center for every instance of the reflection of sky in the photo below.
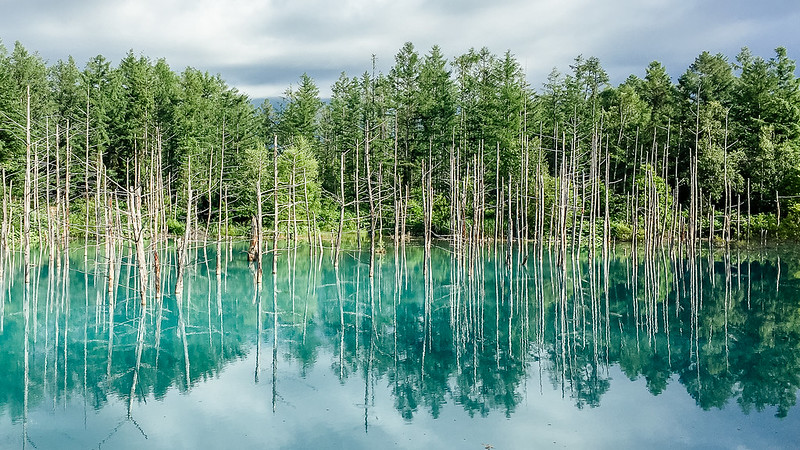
(232, 411)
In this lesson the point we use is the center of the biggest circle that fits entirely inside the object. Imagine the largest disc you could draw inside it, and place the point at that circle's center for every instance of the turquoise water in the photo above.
(508, 350)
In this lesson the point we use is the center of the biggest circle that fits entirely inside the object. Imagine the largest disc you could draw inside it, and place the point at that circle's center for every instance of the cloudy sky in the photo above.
(263, 46)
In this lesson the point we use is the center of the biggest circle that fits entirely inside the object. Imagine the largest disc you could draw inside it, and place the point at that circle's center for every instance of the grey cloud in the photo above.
(270, 43)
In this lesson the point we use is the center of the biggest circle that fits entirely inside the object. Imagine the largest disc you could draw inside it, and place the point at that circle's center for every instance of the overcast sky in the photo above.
(263, 46)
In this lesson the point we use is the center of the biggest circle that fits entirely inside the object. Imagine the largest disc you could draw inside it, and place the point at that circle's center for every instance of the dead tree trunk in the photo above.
(67, 157)
(4, 226)
(275, 205)
(372, 217)
(338, 245)
(26, 207)
(259, 228)
(183, 250)
(137, 227)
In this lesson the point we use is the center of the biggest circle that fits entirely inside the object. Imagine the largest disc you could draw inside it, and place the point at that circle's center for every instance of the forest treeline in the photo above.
(461, 148)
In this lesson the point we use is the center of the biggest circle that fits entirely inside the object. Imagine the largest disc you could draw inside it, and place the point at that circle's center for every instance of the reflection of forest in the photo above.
(450, 328)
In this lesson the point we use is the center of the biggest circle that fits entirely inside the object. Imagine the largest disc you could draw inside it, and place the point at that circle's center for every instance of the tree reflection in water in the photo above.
(465, 327)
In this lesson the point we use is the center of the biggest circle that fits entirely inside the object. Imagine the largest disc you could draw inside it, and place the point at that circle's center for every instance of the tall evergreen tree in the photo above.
(300, 116)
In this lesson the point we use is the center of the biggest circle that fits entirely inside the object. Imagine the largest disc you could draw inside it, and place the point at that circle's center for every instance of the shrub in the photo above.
(175, 228)
(790, 225)
(621, 231)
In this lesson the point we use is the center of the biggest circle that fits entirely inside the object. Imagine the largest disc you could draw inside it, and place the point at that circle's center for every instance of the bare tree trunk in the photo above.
(67, 158)
(526, 191)
(573, 175)
(726, 227)
(338, 245)
(110, 241)
(259, 228)
(429, 187)
(693, 205)
(35, 194)
(498, 213)
(563, 203)
(379, 204)
(372, 217)
(183, 250)
(458, 221)
(208, 195)
(539, 222)
(86, 182)
(403, 221)
(358, 202)
(4, 227)
(26, 208)
(98, 200)
(310, 222)
(423, 180)
(595, 180)
(607, 218)
(510, 236)
(221, 196)
(59, 216)
(159, 218)
(748, 209)
(275, 205)
(738, 216)
(396, 193)
(135, 211)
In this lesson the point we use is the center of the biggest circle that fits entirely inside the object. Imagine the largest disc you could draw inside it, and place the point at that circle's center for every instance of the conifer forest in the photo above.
(464, 149)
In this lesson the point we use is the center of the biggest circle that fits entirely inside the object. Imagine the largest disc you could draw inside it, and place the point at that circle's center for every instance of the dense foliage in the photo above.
(718, 150)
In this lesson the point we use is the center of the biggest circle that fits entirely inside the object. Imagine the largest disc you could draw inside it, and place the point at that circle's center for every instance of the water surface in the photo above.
(452, 350)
